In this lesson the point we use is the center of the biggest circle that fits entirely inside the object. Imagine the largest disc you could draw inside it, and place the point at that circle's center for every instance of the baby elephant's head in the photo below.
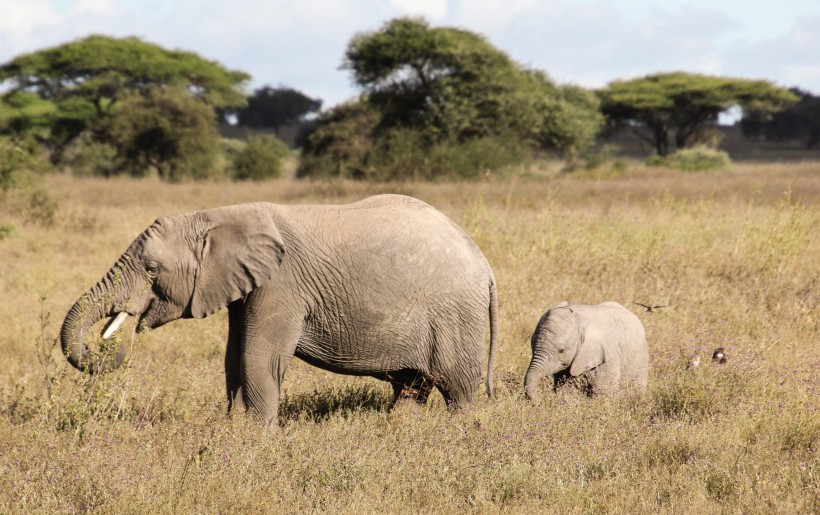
(555, 344)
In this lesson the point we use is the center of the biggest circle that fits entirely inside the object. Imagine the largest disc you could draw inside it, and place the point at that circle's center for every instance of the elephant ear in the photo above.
(240, 251)
(590, 350)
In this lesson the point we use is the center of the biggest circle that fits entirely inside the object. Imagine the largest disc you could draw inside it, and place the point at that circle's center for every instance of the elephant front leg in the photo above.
(233, 359)
(269, 329)
(261, 388)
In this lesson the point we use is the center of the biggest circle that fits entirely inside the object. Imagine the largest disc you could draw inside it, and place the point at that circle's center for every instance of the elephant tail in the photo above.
(493, 335)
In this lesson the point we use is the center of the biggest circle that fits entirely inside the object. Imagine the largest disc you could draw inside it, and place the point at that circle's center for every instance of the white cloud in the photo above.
(19, 20)
(301, 44)
(790, 59)
(490, 17)
(94, 6)
(432, 9)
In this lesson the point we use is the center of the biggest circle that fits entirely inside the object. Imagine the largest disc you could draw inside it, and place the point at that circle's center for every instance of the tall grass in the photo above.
(733, 255)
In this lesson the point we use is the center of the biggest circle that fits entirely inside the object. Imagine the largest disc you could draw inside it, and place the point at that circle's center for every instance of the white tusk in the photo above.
(114, 324)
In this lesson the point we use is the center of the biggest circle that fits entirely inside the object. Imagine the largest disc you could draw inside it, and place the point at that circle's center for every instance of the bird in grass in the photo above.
(719, 356)
(649, 307)
(694, 361)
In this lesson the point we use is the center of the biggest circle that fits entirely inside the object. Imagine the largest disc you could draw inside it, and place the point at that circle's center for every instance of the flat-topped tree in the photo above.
(443, 100)
(87, 78)
(682, 104)
(451, 83)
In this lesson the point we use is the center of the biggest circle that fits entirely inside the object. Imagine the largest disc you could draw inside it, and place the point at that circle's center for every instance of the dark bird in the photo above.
(650, 308)
(719, 356)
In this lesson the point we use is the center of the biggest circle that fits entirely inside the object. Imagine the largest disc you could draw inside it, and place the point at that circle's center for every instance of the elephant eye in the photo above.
(560, 351)
(152, 269)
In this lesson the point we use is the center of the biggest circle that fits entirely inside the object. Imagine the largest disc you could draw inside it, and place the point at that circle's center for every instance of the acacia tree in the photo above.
(440, 90)
(684, 103)
(165, 129)
(76, 85)
(453, 84)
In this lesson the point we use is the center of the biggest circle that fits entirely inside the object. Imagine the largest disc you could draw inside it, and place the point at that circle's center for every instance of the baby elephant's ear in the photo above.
(590, 352)
(240, 252)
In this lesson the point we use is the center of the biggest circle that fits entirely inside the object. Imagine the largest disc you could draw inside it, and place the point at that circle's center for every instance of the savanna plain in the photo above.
(732, 255)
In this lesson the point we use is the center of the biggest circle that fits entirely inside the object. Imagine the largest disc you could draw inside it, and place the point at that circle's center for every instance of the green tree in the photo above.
(58, 93)
(683, 104)
(341, 142)
(262, 157)
(446, 87)
(167, 130)
(453, 84)
(275, 107)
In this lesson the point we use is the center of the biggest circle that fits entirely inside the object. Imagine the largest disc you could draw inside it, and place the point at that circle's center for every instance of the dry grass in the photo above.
(734, 255)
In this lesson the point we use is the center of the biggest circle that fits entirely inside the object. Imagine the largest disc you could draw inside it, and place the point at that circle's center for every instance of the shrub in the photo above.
(341, 142)
(89, 158)
(261, 158)
(6, 230)
(344, 145)
(694, 159)
(700, 158)
(15, 158)
(596, 158)
(405, 154)
(655, 161)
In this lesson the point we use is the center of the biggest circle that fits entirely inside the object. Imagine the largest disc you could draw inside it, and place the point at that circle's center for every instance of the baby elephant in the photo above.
(601, 348)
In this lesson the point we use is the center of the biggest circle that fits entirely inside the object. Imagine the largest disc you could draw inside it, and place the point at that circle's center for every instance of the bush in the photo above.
(700, 158)
(344, 145)
(695, 159)
(17, 157)
(261, 158)
(341, 142)
(655, 161)
(89, 158)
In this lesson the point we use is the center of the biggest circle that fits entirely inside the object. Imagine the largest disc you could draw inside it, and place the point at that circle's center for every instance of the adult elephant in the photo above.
(386, 287)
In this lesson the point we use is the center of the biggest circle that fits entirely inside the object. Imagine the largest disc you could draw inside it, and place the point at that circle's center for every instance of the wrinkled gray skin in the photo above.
(387, 287)
(600, 348)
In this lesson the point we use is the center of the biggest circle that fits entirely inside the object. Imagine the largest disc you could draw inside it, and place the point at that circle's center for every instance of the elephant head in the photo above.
(184, 266)
(558, 343)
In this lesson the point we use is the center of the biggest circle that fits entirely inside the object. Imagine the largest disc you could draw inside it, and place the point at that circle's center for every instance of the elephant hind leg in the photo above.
(458, 393)
(409, 385)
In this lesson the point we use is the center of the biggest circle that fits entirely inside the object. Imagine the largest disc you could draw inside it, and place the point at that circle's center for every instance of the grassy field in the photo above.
(734, 256)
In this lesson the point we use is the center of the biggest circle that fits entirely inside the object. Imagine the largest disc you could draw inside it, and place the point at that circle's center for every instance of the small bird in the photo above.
(650, 308)
(719, 356)
(694, 361)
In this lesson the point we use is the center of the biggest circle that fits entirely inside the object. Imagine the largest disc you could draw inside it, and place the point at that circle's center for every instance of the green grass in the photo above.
(733, 254)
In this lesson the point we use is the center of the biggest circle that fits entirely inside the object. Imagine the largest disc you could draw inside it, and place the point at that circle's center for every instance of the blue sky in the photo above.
(587, 42)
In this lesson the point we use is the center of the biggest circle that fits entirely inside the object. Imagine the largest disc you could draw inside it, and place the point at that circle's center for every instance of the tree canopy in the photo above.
(684, 103)
(275, 107)
(101, 68)
(165, 129)
(453, 83)
(450, 86)
(58, 93)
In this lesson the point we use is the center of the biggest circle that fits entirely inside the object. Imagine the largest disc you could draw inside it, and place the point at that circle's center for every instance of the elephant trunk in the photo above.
(540, 366)
(534, 375)
(101, 301)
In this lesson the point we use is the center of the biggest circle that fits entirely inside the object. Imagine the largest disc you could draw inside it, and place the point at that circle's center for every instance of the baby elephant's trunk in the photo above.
(534, 375)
